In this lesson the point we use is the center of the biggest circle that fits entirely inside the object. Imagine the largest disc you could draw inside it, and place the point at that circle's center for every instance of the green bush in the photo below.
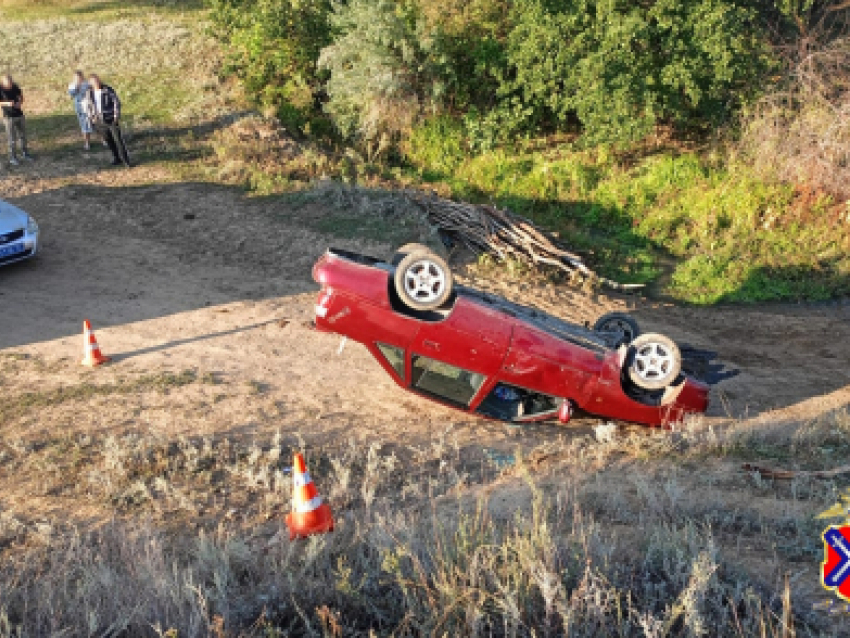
(623, 68)
(468, 50)
(378, 80)
(439, 144)
(273, 45)
(505, 68)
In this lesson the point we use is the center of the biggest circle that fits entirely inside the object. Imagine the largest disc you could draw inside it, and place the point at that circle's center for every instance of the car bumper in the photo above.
(30, 249)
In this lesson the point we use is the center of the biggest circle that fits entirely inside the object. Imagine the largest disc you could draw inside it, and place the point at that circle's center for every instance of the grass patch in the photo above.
(161, 65)
(18, 405)
(730, 235)
(92, 9)
(585, 548)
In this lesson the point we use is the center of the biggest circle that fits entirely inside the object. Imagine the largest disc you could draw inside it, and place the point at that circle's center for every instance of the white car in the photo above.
(18, 234)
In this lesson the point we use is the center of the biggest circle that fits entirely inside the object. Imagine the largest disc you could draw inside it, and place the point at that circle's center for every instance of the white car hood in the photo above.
(11, 217)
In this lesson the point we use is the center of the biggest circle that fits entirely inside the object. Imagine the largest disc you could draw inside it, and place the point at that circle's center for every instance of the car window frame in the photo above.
(402, 376)
(468, 407)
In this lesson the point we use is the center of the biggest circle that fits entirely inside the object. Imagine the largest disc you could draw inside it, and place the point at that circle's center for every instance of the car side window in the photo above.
(394, 356)
(444, 381)
(512, 403)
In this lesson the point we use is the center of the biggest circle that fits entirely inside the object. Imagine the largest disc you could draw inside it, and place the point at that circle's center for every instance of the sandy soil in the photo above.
(180, 276)
(190, 275)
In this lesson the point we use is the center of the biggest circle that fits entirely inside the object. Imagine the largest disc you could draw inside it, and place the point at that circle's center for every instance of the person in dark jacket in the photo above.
(104, 109)
(11, 101)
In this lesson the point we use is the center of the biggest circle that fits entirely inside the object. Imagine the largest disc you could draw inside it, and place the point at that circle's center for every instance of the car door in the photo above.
(473, 337)
(466, 348)
(549, 365)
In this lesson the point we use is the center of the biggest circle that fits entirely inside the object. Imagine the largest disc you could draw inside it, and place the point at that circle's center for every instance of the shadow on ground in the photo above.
(120, 255)
(57, 137)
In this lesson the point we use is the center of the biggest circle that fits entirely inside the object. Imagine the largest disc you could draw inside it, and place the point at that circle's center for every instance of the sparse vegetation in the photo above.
(565, 542)
(799, 131)
(29, 401)
(626, 537)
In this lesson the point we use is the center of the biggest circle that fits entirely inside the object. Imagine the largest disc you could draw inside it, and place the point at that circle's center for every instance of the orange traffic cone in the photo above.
(91, 351)
(309, 514)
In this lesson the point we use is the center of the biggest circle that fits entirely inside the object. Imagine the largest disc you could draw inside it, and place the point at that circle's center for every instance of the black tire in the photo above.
(423, 281)
(407, 249)
(618, 323)
(654, 361)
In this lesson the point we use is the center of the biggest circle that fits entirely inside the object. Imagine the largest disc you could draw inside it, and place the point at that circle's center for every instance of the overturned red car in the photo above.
(488, 356)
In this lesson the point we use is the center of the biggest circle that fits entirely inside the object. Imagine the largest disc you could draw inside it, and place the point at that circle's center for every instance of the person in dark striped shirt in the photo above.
(104, 109)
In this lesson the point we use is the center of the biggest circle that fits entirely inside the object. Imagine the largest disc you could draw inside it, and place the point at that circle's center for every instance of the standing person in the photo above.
(77, 90)
(104, 111)
(11, 101)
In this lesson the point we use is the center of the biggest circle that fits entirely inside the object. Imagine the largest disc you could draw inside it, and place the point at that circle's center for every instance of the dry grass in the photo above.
(256, 152)
(801, 132)
(392, 573)
(92, 9)
(645, 534)
(22, 404)
(160, 62)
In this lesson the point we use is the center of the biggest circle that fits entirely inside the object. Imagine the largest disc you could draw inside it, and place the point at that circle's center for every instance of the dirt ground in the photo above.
(191, 275)
(180, 276)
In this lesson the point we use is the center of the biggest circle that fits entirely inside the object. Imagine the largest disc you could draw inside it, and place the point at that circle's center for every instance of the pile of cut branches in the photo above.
(505, 235)
(482, 229)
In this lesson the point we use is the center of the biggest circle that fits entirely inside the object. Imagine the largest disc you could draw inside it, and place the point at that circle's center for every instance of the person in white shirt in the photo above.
(77, 90)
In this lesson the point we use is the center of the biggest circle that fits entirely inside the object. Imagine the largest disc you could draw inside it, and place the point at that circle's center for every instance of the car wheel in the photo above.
(654, 361)
(618, 323)
(408, 249)
(423, 281)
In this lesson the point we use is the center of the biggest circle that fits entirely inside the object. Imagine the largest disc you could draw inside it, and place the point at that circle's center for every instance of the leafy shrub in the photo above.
(438, 144)
(393, 62)
(469, 39)
(487, 129)
(507, 68)
(273, 46)
(378, 78)
(622, 67)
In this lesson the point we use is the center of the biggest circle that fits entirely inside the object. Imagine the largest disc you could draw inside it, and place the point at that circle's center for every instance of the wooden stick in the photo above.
(503, 233)
(790, 474)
